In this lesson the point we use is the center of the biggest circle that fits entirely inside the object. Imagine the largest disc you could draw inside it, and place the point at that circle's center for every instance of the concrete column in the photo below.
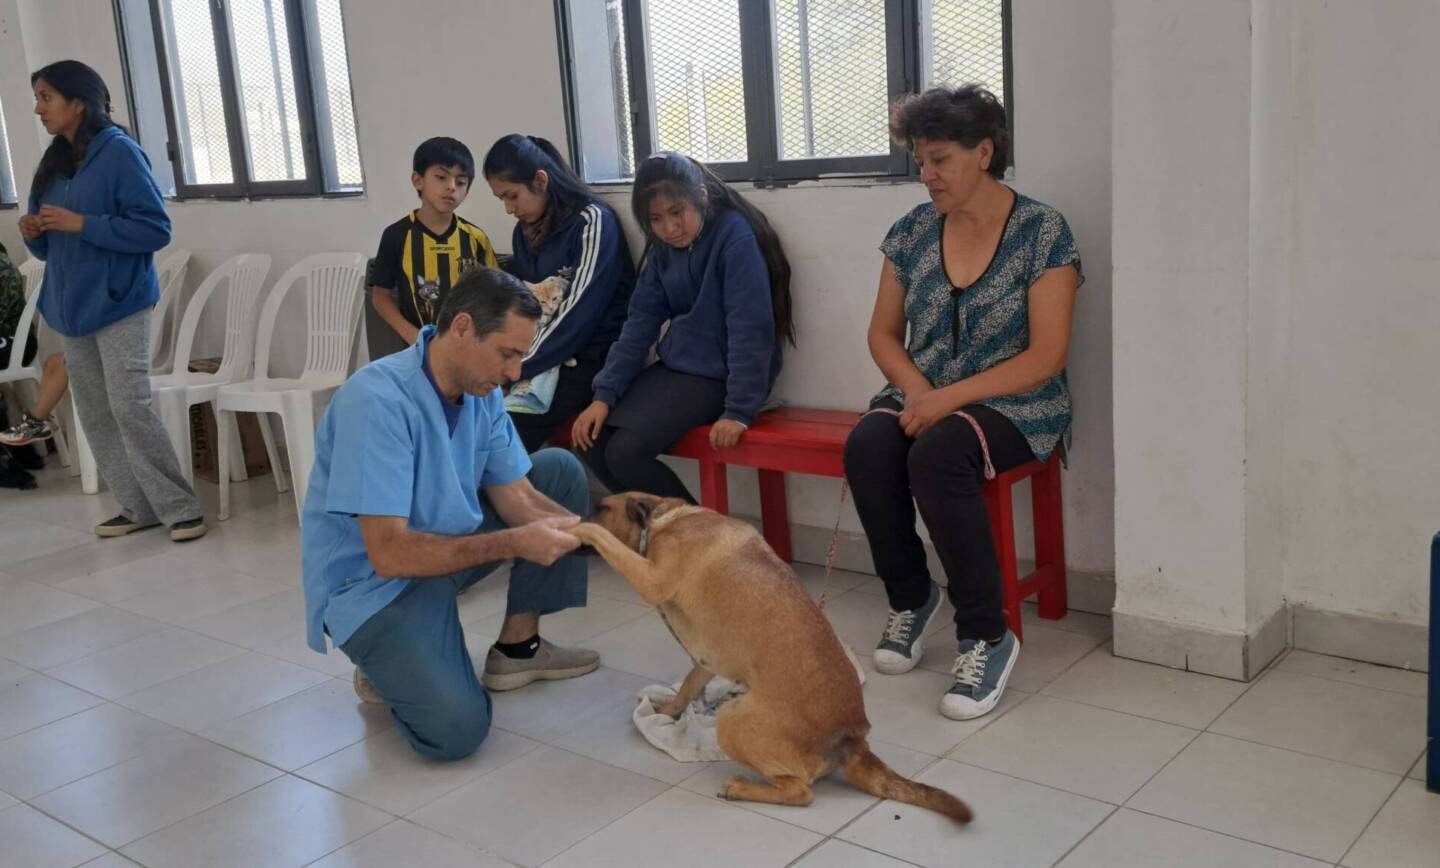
(1199, 305)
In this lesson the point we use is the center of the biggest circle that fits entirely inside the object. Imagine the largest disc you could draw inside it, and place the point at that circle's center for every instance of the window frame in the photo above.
(297, 23)
(7, 169)
(765, 168)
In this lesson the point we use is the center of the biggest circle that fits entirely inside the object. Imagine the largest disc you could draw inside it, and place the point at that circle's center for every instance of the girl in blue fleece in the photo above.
(96, 217)
(569, 247)
(715, 271)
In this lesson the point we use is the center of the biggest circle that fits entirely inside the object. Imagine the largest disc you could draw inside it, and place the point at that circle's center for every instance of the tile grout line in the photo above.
(1114, 809)
(1229, 835)
(1373, 817)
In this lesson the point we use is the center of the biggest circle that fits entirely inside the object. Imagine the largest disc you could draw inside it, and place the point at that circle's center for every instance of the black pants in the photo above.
(573, 393)
(941, 472)
(659, 408)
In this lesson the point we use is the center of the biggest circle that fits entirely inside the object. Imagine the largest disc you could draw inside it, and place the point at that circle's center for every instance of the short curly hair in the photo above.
(968, 115)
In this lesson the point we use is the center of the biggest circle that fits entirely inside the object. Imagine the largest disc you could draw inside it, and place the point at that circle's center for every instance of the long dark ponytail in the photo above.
(516, 158)
(74, 81)
(682, 177)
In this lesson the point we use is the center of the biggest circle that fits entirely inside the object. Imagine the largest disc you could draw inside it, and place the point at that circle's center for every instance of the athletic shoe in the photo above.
(122, 526)
(28, 431)
(188, 530)
(980, 673)
(904, 641)
(550, 663)
(364, 689)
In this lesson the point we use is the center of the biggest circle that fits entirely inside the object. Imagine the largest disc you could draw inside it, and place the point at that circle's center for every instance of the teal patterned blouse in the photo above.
(958, 332)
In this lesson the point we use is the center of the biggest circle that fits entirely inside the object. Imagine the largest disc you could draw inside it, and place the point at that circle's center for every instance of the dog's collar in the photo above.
(644, 540)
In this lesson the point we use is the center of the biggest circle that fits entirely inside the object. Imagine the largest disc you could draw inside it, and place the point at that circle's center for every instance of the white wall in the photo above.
(1276, 403)
(1362, 461)
(508, 51)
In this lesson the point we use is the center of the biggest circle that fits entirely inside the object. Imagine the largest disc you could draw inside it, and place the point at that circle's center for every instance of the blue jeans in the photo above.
(413, 650)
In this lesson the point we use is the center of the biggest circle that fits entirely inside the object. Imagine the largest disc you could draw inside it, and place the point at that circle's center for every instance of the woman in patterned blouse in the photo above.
(984, 279)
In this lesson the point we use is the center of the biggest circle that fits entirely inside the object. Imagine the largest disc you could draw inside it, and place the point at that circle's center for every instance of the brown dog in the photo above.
(741, 612)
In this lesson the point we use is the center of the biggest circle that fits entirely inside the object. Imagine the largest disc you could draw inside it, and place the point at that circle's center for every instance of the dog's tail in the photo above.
(867, 772)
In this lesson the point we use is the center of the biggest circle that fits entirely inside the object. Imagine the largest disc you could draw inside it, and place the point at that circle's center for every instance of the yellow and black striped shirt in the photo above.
(420, 266)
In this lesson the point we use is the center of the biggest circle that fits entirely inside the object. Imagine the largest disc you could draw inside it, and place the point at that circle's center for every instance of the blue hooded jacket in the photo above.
(716, 296)
(105, 272)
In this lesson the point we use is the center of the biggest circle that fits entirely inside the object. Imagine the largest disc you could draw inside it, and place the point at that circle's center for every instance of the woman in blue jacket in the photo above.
(96, 217)
(719, 277)
(568, 245)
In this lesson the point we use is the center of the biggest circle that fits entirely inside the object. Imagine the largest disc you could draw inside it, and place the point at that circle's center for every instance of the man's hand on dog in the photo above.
(726, 433)
(546, 540)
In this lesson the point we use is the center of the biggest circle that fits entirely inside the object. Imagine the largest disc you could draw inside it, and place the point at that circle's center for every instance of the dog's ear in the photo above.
(638, 511)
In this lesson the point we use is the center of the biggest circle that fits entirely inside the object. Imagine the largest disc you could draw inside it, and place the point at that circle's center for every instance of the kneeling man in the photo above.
(420, 488)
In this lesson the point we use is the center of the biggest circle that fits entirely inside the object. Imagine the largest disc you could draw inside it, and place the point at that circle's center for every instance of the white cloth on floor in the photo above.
(690, 738)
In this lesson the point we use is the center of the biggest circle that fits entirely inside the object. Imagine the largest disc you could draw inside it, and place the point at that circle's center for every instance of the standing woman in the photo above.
(568, 245)
(983, 281)
(715, 271)
(96, 217)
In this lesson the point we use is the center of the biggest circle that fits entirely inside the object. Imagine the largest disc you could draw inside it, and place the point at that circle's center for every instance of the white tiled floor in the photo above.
(158, 707)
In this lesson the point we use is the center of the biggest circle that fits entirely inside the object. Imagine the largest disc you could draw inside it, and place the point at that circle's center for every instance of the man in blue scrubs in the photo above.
(420, 488)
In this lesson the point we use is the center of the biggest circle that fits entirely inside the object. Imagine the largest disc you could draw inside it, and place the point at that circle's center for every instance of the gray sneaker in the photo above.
(904, 641)
(121, 526)
(550, 663)
(365, 690)
(980, 673)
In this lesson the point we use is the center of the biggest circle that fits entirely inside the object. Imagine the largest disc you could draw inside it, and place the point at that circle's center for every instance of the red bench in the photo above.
(799, 440)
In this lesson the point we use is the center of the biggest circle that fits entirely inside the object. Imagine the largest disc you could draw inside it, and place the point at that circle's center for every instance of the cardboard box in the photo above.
(204, 436)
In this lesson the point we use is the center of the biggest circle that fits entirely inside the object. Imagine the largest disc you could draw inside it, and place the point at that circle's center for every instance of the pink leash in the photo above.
(834, 550)
(984, 446)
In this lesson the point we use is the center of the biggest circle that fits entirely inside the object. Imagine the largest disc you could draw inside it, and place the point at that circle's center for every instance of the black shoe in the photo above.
(121, 526)
(188, 530)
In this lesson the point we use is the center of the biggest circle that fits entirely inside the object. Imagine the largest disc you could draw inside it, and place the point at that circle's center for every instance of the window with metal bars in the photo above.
(7, 168)
(766, 90)
(255, 95)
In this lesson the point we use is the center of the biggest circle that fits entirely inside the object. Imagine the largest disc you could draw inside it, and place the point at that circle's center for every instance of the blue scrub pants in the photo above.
(413, 650)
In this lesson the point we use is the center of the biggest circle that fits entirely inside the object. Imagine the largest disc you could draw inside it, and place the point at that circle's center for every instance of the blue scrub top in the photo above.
(385, 447)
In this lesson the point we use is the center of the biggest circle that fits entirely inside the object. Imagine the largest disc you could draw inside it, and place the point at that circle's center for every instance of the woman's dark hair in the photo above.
(681, 177)
(968, 115)
(74, 81)
(516, 158)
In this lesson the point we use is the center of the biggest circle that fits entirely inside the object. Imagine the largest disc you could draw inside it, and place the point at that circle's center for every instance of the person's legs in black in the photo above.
(659, 408)
(947, 469)
(875, 466)
(573, 393)
(876, 455)
(632, 458)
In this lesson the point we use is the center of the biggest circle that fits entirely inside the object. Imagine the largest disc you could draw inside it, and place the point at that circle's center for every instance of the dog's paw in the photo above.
(673, 709)
(586, 532)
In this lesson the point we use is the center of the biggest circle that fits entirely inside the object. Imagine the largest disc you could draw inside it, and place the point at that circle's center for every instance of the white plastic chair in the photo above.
(334, 299)
(175, 393)
(170, 273)
(32, 274)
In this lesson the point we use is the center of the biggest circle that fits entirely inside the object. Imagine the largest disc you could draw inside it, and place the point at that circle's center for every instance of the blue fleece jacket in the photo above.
(105, 272)
(716, 296)
(587, 254)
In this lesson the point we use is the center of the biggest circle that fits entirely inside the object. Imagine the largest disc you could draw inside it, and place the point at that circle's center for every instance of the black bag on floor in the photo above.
(13, 472)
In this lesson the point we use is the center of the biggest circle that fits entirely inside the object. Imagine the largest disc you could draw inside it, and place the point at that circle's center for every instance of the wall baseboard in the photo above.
(1238, 656)
(1401, 644)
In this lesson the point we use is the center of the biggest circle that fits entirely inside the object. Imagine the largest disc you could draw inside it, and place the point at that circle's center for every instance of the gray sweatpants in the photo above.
(110, 378)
